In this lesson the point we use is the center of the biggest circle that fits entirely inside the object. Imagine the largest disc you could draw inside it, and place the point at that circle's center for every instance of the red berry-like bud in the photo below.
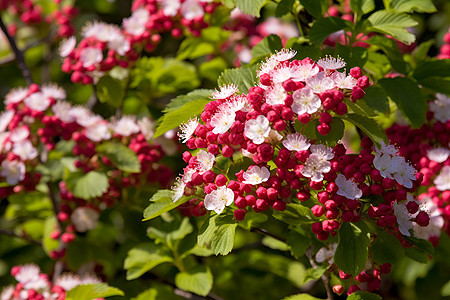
(318, 210)
(304, 118)
(412, 207)
(265, 79)
(262, 204)
(423, 219)
(338, 289)
(303, 195)
(279, 205)
(239, 214)
(324, 129)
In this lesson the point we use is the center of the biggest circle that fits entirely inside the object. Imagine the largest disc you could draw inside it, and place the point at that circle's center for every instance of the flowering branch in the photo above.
(18, 54)
(325, 279)
(20, 236)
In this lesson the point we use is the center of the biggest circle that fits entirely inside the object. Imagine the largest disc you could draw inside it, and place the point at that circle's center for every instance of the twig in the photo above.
(51, 194)
(265, 232)
(20, 236)
(325, 279)
(19, 54)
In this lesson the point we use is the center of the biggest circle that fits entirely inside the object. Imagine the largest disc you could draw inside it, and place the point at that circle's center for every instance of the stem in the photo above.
(265, 232)
(18, 54)
(51, 194)
(299, 25)
(325, 279)
(20, 236)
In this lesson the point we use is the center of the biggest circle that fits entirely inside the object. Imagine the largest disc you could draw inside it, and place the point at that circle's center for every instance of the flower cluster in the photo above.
(104, 46)
(37, 118)
(444, 52)
(32, 14)
(34, 285)
(428, 149)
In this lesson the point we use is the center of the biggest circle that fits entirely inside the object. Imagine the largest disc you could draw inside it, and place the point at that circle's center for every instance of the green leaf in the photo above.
(425, 245)
(207, 43)
(361, 295)
(301, 297)
(207, 231)
(266, 47)
(145, 257)
(110, 90)
(420, 52)
(390, 48)
(362, 7)
(314, 273)
(314, 7)
(353, 56)
(386, 248)
(377, 64)
(158, 292)
(198, 280)
(48, 243)
(275, 244)
(394, 24)
(304, 51)
(121, 156)
(175, 118)
(223, 239)
(87, 186)
(212, 69)
(417, 254)
(408, 97)
(434, 75)
(161, 203)
(244, 78)
(376, 98)
(284, 7)
(322, 28)
(422, 6)
(445, 291)
(250, 7)
(179, 101)
(297, 243)
(352, 250)
(92, 291)
(368, 126)
(295, 214)
(336, 133)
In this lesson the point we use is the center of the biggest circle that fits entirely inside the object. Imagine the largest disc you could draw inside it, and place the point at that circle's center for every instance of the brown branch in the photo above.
(20, 236)
(265, 232)
(18, 54)
(325, 279)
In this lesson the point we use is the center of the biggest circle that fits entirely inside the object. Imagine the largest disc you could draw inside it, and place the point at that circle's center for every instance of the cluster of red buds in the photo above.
(444, 52)
(105, 46)
(31, 14)
(37, 118)
(427, 148)
(34, 285)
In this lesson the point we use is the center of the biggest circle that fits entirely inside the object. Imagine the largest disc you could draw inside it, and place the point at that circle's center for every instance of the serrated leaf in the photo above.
(297, 243)
(362, 7)
(275, 244)
(223, 239)
(212, 69)
(176, 117)
(425, 245)
(408, 97)
(422, 6)
(301, 297)
(87, 186)
(244, 77)
(295, 214)
(92, 291)
(284, 7)
(362, 295)
(314, 274)
(445, 291)
(207, 231)
(198, 280)
(352, 249)
(394, 24)
(376, 98)
(145, 257)
(266, 47)
(250, 7)
(158, 292)
(121, 156)
(314, 7)
(434, 68)
(368, 126)
(323, 27)
(48, 243)
(336, 133)
(161, 202)
(353, 56)
(390, 48)
(386, 248)
(110, 90)
(417, 254)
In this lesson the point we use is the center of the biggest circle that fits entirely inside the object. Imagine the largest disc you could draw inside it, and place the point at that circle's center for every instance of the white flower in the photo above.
(119, 44)
(61, 110)
(257, 129)
(90, 56)
(386, 149)
(205, 161)
(296, 142)
(25, 150)
(347, 188)
(226, 91)
(84, 117)
(191, 9)
(305, 101)
(403, 217)
(170, 7)
(14, 171)
(342, 81)
(268, 66)
(323, 151)
(304, 71)
(27, 273)
(7, 293)
(326, 254)
(405, 174)
(16, 95)
(147, 126)
(285, 54)
(315, 166)
(53, 91)
(282, 74)
(218, 199)
(135, 24)
(320, 82)
(5, 119)
(331, 63)
(5, 143)
(256, 175)
(384, 164)
(178, 189)
(98, 132)
(19, 134)
(188, 129)
(436, 220)
(126, 126)
(66, 47)
(441, 108)
(68, 281)
(222, 121)
(275, 95)
(37, 101)
(84, 218)
(274, 137)
(438, 154)
(442, 181)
